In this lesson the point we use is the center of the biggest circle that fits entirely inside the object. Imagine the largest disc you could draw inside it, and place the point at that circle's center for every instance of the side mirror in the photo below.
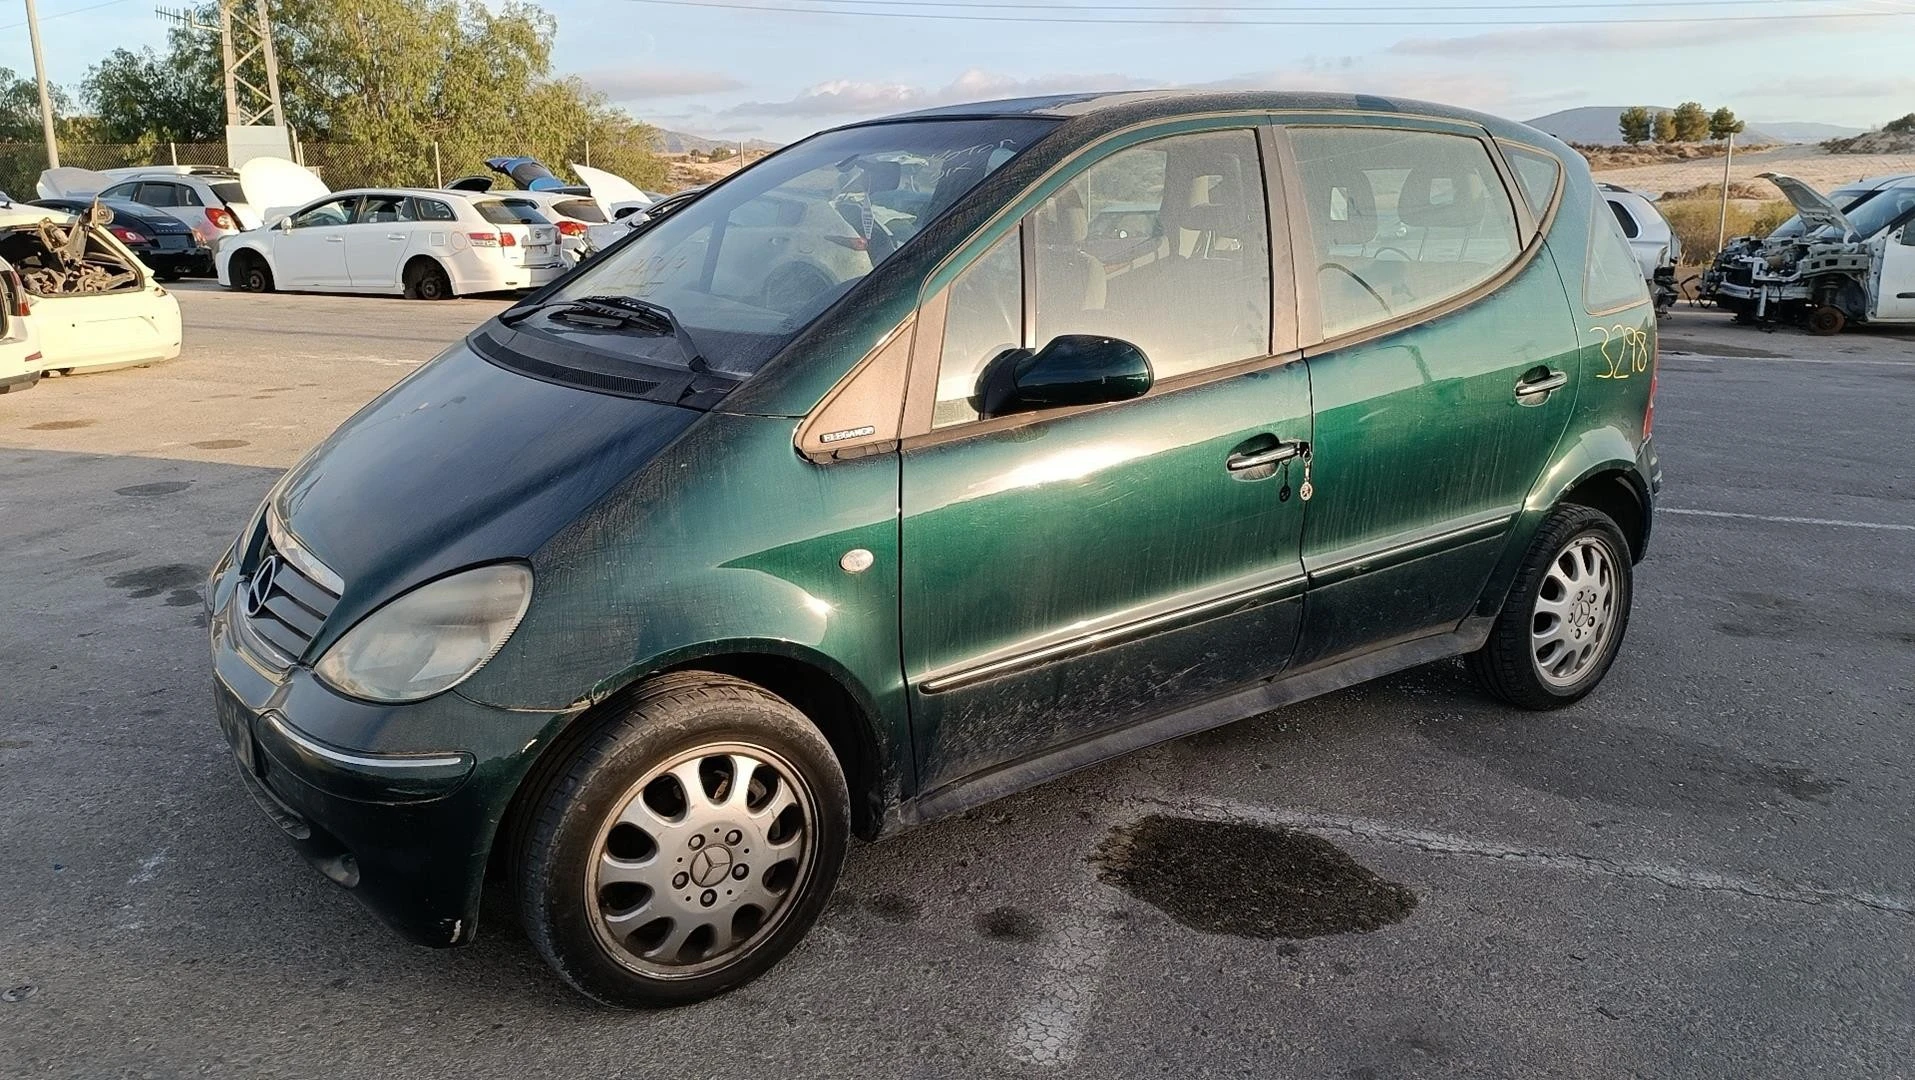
(1908, 234)
(1074, 369)
(284, 224)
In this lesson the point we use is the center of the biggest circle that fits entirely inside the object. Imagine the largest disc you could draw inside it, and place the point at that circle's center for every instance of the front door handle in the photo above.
(1539, 385)
(335, 239)
(1257, 459)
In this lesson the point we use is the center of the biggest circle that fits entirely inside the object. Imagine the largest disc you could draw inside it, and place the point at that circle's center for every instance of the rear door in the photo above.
(1441, 382)
(312, 253)
(1071, 572)
(377, 241)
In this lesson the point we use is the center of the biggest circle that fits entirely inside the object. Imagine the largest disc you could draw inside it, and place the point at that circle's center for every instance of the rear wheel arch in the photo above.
(419, 265)
(1616, 493)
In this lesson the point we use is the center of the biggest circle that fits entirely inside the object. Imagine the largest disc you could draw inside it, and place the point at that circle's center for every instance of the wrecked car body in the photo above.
(94, 304)
(1831, 266)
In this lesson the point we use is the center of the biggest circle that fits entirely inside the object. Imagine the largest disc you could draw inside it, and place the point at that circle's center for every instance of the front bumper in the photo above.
(397, 804)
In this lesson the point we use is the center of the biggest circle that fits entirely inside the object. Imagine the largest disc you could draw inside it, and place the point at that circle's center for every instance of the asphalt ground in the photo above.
(1704, 869)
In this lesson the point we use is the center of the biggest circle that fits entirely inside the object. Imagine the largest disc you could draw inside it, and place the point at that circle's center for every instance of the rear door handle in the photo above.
(1257, 459)
(1544, 384)
(395, 236)
(335, 239)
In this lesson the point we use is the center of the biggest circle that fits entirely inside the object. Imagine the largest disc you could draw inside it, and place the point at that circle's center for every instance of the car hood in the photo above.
(459, 464)
(1813, 207)
(275, 187)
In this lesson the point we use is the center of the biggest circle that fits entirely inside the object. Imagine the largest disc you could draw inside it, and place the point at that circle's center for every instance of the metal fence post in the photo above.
(173, 151)
(438, 171)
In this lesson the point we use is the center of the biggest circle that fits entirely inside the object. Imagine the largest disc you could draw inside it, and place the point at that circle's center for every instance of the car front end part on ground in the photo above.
(1846, 258)
(93, 302)
(167, 245)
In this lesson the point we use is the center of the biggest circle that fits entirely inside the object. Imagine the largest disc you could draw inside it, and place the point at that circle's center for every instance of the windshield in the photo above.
(1845, 199)
(1877, 210)
(747, 265)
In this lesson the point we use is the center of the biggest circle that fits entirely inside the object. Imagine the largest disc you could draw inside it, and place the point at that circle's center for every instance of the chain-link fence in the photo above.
(341, 165)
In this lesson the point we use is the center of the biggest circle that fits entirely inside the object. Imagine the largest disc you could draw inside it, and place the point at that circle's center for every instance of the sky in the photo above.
(727, 72)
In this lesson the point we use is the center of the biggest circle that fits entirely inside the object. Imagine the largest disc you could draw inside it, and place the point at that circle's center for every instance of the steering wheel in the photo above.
(1406, 255)
(1354, 276)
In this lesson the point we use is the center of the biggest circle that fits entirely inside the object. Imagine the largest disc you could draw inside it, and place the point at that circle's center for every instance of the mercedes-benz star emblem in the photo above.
(261, 587)
(711, 865)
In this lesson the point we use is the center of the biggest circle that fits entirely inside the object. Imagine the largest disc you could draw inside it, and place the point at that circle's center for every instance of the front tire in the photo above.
(251, 274)
(1563, 623)
(684, 846)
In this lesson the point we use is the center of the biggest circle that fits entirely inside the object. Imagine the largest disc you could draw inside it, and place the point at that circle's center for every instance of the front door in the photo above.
(377, 240)
(1429, 432)
(1894, 284)
(312, 253)
(1071, 572)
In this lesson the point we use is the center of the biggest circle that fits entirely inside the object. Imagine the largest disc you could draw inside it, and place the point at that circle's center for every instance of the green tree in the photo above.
(390, 78)
(136, 96)
(1692, 122)
(1723, 123)
(1665, 127)
(20, 109)
(1902, 126)
(1636, 125)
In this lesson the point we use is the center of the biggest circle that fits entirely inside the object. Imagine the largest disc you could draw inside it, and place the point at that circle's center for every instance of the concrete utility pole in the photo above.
(46, 99)
(1722, 219)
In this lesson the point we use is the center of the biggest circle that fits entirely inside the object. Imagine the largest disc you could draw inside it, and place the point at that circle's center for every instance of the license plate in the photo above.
(535, 249)
(236, 723)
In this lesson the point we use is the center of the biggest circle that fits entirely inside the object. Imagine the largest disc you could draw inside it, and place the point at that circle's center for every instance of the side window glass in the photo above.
(379, 209)
(159, 195)
(187, 196)
(122, 191)
(336, 212)
(1625, 219)
(1536, 174)
(1611, 277)
(433, 210)
(985, 318)
(1164, 245)
(1400, 220)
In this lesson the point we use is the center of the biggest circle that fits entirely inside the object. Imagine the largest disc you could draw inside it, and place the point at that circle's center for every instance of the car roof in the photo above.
(1170, 103)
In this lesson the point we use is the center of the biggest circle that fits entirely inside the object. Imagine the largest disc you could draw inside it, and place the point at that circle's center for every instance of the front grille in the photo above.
(286, 609)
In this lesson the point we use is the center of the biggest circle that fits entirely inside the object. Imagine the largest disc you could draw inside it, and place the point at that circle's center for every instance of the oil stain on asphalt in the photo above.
(1254, 881)
(179, 578)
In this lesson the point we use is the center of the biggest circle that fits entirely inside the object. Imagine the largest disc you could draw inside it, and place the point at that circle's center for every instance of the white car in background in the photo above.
(207, 198)
(423, 244)
(93, 303)
(20, 359)
(1656, 246)
(574, 210)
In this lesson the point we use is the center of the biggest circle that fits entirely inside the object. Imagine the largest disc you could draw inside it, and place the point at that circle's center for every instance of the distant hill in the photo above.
(1596, 125)
(677, 142)
(1803, 132)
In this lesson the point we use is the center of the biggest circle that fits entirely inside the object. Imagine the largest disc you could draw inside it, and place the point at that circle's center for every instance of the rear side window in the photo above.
(1625, 219)
(1536, 173)
(1178, 263)
(1611, 277)
(510, 212)
(433, 210)
(579, 210)
(1400, 221)
(160, 195)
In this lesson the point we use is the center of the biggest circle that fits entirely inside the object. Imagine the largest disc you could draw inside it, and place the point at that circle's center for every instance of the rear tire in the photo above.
(643, 892)
(427, 280)
(1564, 619)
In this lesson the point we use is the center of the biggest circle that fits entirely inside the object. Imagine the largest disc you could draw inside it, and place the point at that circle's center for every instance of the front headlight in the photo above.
(430, 639)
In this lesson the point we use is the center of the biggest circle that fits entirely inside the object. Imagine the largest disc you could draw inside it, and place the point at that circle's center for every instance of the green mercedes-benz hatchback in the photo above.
(924, 460)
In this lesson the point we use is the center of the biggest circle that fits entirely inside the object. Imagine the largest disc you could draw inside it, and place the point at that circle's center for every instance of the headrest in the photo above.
(1442, 196)
(1352, 210)
(1204, 196)
(1063, 219)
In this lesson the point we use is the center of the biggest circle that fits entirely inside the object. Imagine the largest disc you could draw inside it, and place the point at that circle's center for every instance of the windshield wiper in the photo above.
(615, 312)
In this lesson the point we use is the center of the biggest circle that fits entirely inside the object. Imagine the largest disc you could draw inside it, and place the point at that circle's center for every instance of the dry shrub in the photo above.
(1694, 220)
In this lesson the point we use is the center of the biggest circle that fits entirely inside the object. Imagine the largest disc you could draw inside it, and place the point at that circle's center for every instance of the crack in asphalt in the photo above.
(1669, 875)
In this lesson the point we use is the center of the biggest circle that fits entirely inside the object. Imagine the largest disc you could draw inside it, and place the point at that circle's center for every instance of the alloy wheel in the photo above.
(1575, 612)
(701, 859)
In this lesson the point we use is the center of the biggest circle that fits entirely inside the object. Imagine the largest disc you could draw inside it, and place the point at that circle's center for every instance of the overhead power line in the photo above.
(64, 14)
(1569, 5)
(1344, 22)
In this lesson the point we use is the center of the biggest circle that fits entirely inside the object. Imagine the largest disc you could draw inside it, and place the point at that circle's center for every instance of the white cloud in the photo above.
(1611, 39)
(851, 97)
(636, 85)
